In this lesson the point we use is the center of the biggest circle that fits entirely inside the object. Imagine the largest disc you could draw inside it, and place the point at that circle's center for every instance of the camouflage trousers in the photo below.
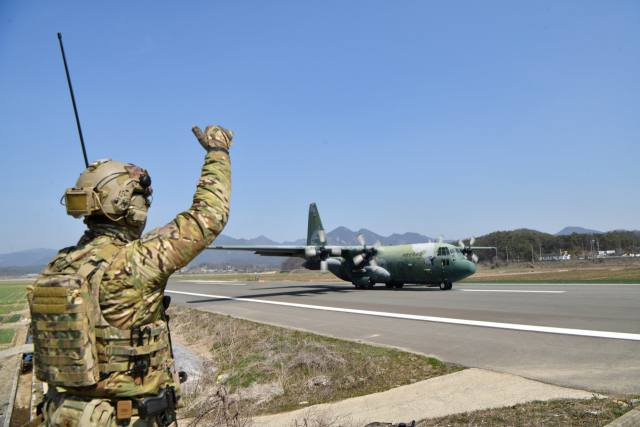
(66, 410)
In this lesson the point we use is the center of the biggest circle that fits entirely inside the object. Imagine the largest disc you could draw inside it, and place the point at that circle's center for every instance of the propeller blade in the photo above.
(337, 251)
(324, 267)
(373, 263)
(361, 240)
(474, 258)
(377, 244)
(357, 259)
(441, 239)
(322, 236)
(461, 244)
(472, 241)
(310, 252)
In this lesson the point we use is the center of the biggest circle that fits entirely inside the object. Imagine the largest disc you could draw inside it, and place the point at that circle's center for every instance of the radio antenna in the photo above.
(73, 99)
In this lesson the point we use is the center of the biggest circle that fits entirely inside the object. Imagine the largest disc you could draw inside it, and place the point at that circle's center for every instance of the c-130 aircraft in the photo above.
(420, 263)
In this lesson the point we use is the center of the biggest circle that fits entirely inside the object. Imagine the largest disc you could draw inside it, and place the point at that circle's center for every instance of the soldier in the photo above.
(100, 333)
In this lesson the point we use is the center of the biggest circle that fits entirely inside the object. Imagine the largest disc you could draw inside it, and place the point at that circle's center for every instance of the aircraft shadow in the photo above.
(313, 290)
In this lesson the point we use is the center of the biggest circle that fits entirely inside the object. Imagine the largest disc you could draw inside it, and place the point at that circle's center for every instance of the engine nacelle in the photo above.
(378, 274)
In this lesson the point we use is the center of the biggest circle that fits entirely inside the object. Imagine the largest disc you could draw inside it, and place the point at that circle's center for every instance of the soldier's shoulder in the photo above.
(151, 235)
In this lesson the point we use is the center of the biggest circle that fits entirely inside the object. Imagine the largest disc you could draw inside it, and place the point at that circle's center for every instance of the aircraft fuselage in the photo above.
(421, 263)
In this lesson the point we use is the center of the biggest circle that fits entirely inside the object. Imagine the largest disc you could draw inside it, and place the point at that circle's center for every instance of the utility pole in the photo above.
(507, 249)
(532, 261)
(540, 247)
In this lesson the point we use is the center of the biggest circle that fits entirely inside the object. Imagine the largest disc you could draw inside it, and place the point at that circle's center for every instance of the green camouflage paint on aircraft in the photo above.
(421, 263)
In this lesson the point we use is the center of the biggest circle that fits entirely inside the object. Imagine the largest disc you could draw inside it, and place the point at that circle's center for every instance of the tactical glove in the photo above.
(214, 137)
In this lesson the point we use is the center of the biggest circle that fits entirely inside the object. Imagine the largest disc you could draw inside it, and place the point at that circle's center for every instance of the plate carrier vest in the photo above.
(73, 343)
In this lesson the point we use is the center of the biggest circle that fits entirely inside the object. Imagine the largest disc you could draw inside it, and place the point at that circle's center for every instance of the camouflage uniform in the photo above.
(131, 286)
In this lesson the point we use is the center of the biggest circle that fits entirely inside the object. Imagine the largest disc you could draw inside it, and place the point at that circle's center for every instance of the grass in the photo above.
(298, 276)
(559, 282)
(607, 271)
(13, 298)
(595, 275)
(14, 318)
(6, 335)
(267, 369)
(565, 412)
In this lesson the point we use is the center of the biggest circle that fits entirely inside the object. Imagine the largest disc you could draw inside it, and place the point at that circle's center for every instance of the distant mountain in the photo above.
(27, 258)
(578, 230)
(341, 236)
(345, 237)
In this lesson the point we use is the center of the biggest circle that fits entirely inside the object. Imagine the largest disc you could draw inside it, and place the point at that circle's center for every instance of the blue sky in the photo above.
(454, 118)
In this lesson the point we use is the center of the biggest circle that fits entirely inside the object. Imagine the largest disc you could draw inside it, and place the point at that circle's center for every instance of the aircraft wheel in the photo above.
(399, 285)
(371, 284)
(389, 285)
(449, 286)
(443, 286)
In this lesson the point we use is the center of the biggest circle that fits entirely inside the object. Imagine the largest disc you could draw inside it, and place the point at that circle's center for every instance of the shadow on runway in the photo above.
(315, 290)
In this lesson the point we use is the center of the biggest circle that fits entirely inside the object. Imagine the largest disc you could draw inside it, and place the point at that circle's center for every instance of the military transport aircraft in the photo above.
(421, 263)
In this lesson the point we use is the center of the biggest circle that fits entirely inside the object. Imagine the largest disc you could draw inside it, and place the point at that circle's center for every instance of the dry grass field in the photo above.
(566, 412)
(261, 369)
(579, 271)
(600, 271)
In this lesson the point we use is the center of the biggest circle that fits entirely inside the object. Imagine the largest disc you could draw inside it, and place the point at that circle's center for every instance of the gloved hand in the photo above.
(214, 137)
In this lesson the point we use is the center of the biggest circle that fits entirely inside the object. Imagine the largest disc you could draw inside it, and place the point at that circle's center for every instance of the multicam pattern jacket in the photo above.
(133, 283)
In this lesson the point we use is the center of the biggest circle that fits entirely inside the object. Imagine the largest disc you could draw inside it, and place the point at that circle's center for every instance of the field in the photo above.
(13, 298)
(625, 271)
(268, 369)
(602, 271)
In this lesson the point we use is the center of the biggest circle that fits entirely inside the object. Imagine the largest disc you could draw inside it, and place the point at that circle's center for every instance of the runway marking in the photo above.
(211, 282)
(513, 326)
(508, 290)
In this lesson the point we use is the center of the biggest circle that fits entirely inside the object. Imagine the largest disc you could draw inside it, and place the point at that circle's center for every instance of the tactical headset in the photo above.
(120, 191)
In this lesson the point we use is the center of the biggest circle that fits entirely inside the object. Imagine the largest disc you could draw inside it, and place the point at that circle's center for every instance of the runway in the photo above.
(580, 336)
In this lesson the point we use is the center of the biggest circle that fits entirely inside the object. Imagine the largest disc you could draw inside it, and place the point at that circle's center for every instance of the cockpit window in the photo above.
(443, 251)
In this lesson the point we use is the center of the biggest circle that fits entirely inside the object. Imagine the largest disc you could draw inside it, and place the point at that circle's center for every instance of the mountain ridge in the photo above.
(340, 236)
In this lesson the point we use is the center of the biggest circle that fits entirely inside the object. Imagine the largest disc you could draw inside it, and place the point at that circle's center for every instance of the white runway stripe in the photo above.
(508, 290)
(544, 329)
(210, 282)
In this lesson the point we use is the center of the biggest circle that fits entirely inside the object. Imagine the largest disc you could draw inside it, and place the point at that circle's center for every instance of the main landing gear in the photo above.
(369, 285)
(392, 285)
(445, 286)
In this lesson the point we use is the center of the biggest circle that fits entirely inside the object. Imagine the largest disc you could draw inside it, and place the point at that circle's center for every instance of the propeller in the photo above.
(322, 252)
(366, 254)
(441, 239)
(468, 250)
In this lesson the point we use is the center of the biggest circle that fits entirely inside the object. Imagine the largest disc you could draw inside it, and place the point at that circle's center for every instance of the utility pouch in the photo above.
(163, 407)
(62, 319)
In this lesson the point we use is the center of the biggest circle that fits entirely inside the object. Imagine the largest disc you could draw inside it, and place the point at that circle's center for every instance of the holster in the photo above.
(163, 407)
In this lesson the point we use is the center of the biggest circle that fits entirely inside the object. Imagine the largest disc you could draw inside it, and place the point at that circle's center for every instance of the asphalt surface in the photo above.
(578, 336)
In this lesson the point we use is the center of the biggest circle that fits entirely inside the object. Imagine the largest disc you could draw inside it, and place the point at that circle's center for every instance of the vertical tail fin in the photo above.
(315, 224)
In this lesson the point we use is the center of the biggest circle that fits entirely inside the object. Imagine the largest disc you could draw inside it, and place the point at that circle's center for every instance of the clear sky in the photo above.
(455, 118)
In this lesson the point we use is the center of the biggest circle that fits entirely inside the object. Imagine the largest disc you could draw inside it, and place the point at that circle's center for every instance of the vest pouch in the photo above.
(63, 325)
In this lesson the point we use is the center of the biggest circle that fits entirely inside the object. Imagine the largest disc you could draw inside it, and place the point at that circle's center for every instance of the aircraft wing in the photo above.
(263, 250)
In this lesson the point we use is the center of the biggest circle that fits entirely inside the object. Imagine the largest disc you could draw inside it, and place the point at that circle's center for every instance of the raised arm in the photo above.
(160, 252)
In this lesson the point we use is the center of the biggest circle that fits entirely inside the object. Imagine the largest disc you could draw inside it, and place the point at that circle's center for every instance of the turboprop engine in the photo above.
(378, 274)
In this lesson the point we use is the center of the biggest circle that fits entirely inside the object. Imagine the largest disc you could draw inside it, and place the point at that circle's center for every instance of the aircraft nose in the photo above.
(464, 268)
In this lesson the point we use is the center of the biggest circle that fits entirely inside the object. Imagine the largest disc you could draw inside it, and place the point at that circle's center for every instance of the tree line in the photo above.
(520, 245)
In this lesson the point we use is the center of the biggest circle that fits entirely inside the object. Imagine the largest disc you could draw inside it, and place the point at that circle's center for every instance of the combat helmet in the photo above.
(119, 191)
